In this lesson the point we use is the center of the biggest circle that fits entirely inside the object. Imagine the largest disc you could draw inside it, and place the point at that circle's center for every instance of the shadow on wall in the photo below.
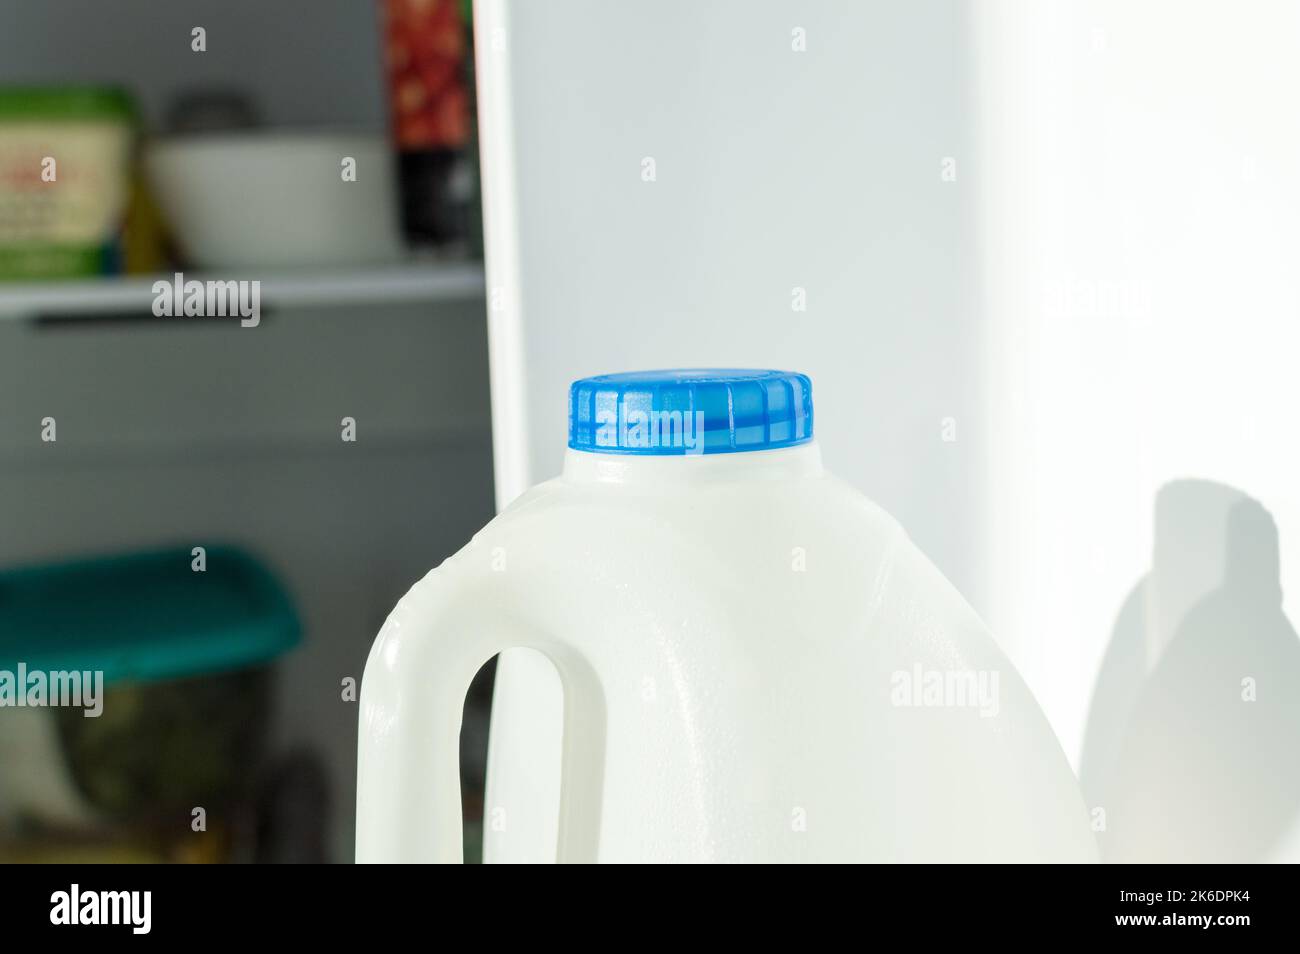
(1192, 749)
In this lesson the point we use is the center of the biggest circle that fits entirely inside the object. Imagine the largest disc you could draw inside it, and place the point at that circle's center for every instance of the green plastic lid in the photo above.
(146, 616)
(66, 102)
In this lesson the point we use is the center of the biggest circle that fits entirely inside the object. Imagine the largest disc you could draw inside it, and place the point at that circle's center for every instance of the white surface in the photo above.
(775, 170)
(1102, 301)
(1138, 226)
(730, 683)
(506, 344)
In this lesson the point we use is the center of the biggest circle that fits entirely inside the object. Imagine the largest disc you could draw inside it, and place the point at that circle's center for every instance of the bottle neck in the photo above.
(785, 463)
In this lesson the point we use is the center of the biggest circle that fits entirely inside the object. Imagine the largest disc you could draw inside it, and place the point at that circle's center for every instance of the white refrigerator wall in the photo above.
(1048, 258)
(798, 217)
(729, 184)
(1139, 231)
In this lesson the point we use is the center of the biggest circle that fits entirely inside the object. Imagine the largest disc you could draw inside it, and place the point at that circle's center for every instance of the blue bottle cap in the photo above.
(683, 412)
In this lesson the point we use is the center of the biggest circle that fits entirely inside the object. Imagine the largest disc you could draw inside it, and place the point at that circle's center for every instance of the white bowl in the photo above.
(277, 199)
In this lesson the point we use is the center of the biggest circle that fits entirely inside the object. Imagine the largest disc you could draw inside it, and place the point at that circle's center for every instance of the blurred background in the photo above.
(176, 433)
(1037, 258)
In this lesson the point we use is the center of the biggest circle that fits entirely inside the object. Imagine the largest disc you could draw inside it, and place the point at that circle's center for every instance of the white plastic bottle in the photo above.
(757, 664)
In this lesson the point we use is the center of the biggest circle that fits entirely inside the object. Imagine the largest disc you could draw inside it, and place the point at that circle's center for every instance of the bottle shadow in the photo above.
(1192, 748)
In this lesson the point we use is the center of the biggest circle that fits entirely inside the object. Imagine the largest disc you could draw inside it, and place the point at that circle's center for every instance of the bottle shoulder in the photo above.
(721, 512)
(815, 536)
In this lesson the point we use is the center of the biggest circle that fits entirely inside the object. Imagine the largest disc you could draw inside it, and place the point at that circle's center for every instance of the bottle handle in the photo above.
(412, 699)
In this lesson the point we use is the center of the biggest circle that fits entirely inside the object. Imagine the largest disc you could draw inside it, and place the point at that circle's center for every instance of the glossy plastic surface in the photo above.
(684, 412)
(744, 646)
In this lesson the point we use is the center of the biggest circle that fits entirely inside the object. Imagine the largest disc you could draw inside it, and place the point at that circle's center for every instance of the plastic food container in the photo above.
(65, 158)
(185, 658)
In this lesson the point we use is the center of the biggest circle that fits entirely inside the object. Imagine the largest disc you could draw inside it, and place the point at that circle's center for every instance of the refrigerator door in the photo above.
(732, 184)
